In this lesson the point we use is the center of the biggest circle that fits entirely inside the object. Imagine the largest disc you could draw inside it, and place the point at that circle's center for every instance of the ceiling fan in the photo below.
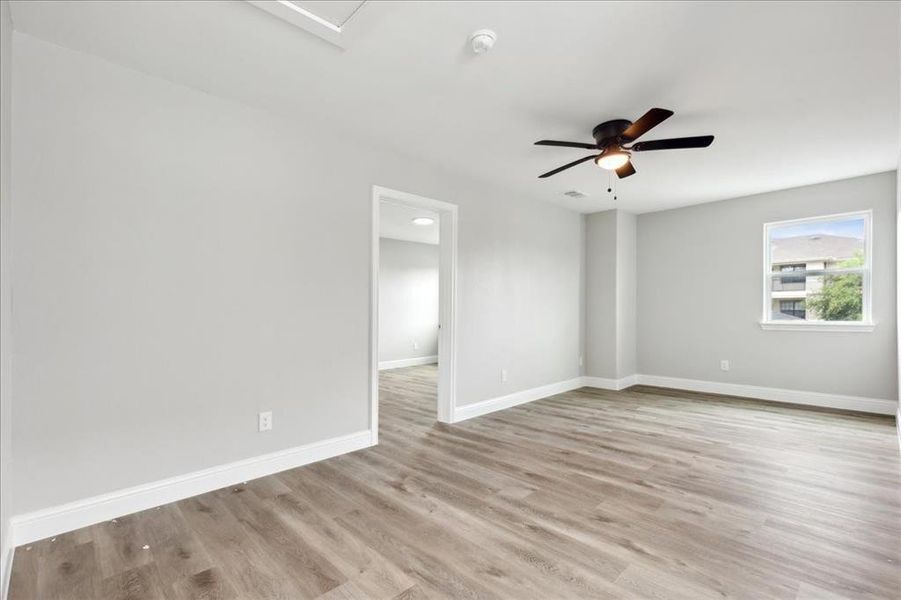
(611, 138)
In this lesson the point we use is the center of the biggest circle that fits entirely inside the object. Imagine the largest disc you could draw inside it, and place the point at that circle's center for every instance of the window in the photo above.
(792, 309)
(817, 273)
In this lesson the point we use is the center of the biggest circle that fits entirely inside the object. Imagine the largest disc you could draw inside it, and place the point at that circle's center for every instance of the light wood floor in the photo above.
(646, 493)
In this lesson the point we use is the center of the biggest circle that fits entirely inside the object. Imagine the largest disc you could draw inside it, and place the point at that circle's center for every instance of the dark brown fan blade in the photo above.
(566, 144)
(698, 141)
(625, 170)
(648, 121)
(564, 167)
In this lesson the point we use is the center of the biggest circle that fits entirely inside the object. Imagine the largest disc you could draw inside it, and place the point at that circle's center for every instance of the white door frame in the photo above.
(447, 303)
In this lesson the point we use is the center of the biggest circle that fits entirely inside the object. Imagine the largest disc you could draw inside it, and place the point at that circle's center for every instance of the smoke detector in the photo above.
(482, 40)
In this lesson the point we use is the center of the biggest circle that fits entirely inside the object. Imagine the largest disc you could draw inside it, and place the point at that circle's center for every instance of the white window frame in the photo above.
(864, 325)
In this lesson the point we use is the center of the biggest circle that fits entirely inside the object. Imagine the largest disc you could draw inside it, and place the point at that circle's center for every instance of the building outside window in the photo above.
(792, 282)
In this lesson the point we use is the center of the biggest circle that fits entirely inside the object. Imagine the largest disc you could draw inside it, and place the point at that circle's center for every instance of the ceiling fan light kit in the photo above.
(612, 159)
(616, 140)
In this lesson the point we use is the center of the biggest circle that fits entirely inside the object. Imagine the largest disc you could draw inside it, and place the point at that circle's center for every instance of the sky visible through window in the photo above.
(853, 227)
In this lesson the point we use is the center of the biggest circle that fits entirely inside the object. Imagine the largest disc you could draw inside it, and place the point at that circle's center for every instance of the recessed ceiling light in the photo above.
(423, 221)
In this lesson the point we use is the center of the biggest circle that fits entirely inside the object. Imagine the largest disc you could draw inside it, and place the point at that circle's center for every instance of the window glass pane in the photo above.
(837, 298)
(789, 282)
(827, 243)
(791, 309)
(801, 256)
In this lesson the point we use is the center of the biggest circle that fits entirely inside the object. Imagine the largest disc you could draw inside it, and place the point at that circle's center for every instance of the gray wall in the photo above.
(610, 290)
(626, 294)
(408, 299)
(898, 258)
(183, 262)
(5, 297)
(700, 294)
(600, 294)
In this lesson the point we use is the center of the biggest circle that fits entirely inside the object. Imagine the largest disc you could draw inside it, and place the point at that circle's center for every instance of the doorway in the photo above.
(445, 216)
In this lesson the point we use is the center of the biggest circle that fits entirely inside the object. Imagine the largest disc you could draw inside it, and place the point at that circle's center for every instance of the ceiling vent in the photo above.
(575, 194)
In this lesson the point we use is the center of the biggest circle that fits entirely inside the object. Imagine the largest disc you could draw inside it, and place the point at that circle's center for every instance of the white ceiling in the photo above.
(795, 92)
(396, 222)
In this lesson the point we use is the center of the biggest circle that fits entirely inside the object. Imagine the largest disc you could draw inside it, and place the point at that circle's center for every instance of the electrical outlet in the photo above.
(581, 361)
(724, 365)
(416, 345)
(266, 420)
(503, 375)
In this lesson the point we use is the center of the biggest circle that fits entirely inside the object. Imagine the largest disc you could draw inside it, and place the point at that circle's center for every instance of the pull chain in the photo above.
(611, 184)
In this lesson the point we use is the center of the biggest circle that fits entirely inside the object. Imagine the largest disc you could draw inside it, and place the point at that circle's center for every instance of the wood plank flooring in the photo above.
(646, 493)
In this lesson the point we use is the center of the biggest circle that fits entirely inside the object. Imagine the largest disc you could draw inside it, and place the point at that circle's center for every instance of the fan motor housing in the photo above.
(608, 131)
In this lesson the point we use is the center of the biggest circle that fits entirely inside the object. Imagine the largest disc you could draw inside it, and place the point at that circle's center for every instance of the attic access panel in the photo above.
(326, 20)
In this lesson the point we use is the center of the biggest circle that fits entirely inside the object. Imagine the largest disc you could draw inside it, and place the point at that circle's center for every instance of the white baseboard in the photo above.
(81, 513)
(856, 403)
(468, 411)
(604, 383)
(819, 399)
(407, 362)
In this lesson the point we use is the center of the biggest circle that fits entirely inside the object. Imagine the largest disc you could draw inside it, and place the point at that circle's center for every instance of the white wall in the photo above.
(699, 295)
(5, 293)
(183, 262)
(408, 300)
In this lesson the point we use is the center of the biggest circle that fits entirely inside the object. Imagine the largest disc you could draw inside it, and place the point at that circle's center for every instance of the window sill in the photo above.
(817, 326)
